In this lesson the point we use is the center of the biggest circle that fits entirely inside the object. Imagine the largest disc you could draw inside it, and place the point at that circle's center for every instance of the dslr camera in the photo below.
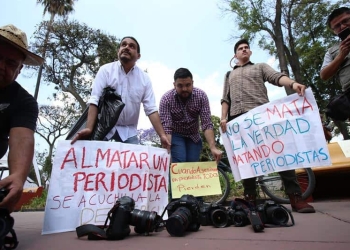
(6, 224)
(214, 214)
(120, 217)
(239, 213)
(183, 215)
(244, 213)
(272, 213)
(123, 214)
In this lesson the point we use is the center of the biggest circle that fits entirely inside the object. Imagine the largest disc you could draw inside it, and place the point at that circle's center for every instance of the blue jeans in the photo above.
(183, 149)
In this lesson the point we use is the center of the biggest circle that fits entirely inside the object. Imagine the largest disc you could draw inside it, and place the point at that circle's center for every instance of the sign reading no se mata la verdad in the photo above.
(280, 135)
(195, 178)
(89, 176)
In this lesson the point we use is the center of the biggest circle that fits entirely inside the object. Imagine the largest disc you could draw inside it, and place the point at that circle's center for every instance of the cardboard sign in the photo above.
(195, 178)
(89, 176)
(277, 136)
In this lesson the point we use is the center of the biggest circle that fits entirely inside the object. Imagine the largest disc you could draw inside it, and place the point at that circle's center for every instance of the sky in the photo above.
(194, 34)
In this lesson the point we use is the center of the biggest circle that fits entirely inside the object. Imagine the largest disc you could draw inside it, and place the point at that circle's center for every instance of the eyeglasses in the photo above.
(337, 27)
(9, 62)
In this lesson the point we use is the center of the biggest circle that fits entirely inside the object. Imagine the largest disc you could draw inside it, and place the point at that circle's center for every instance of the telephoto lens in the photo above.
(183, 216)
(145, 222)
(179, 221)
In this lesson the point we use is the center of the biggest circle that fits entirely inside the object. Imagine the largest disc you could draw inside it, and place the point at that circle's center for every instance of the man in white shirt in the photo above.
(134, 86)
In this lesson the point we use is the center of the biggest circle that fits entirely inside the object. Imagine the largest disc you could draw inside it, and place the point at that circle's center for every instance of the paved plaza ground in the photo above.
(328, 228)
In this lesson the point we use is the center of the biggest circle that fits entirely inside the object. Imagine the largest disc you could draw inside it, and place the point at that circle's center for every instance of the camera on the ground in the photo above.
(214, 214)
(272, 213)
(183, 215)
(124, 214)
(244, 213)
(6, 223)
(239, 214)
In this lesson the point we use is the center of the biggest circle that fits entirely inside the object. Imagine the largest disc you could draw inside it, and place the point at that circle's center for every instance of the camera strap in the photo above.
(96, 232)
(10, 242)
(8, 239)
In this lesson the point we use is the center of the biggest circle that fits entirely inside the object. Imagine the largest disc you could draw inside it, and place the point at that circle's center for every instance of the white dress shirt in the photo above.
(135, 88)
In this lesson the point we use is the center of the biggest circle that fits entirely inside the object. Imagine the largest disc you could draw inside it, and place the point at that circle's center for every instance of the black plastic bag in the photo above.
(79, 125)
(338, 107)
(109, 108)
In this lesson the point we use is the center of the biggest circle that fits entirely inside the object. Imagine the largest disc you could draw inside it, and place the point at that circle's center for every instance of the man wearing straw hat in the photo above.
(18, 113)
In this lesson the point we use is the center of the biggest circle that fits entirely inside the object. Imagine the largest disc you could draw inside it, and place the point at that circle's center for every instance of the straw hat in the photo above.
(17, 38)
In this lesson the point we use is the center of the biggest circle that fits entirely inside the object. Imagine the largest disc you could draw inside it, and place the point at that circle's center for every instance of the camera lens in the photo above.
(143, 221)
(239, 219)
(178, 222)
(278, 215)
(219, 218)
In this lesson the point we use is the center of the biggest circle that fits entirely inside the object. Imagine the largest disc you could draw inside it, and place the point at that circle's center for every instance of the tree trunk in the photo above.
(52, 17)
(279, 41)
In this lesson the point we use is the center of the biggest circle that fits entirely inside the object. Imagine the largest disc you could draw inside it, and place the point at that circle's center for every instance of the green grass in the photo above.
(37, 202)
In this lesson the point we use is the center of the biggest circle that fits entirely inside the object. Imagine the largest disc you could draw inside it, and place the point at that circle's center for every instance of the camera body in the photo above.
(183, 215)
(344, 34)
(3, 193)
(6, 222)
(119, 223)
(272, 213)
(214, 214)
(244, 213)
(239, 211)
(123, 214)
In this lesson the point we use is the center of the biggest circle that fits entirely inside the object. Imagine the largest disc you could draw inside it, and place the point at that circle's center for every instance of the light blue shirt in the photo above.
(135, 88)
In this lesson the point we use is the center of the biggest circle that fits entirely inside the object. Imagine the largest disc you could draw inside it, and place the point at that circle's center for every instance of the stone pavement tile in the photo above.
(337, 209)
(321, 231)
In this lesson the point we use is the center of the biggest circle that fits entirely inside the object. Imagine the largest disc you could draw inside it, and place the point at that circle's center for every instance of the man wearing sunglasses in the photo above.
(336, 62)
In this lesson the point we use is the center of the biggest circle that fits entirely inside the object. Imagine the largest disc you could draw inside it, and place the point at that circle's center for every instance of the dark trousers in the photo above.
(288, 177)
(343, 128)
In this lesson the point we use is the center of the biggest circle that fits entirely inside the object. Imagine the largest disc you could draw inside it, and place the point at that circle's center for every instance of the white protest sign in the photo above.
(345, 147)
(89, 176)
(277, 136)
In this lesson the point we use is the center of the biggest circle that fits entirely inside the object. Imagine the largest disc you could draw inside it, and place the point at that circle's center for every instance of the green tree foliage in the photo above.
(292, 30)
(56, 8)
(74, 53)
(54, 122)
